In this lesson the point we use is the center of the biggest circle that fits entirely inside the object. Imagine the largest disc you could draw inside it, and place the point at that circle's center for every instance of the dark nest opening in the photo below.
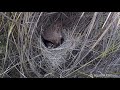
(50, 44)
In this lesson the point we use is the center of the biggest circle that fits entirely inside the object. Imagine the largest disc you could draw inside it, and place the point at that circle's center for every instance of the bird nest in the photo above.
(57, 55)
(57, 58)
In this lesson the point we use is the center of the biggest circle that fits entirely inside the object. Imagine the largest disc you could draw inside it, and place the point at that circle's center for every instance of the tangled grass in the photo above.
(90, 48)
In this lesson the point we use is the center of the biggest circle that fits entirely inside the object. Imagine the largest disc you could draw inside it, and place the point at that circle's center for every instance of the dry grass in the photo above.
(90, 49)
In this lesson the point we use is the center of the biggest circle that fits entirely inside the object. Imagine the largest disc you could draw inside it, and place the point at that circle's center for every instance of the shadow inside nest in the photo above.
(50, 45)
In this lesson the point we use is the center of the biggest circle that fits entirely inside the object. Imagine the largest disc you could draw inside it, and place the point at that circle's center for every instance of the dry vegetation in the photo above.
(90, 48)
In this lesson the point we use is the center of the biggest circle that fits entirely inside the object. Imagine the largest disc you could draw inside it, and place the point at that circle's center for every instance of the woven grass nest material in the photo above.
(90, 46)
(57, 57)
